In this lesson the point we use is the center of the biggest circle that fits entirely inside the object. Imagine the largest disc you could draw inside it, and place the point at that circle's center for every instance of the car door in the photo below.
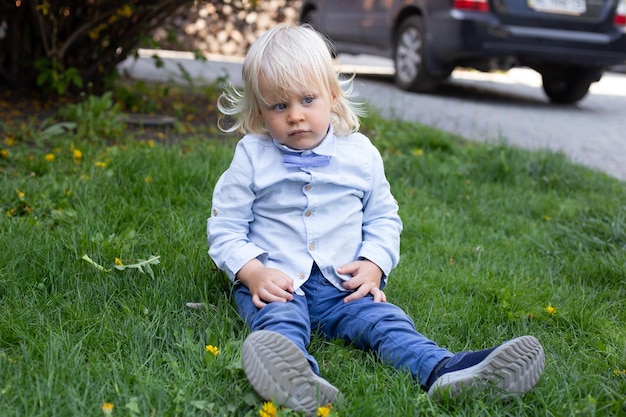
(341, 19)
(376, 22)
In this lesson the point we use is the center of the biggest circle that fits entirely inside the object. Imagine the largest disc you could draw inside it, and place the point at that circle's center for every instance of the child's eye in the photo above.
(280, 106)
(308, 100)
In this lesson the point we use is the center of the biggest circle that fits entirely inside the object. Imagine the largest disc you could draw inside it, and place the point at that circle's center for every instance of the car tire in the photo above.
(566, 89)
(410, 58)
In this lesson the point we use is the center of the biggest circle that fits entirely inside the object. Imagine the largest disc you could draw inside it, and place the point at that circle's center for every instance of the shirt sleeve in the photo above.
(231, 214)
(381, 223)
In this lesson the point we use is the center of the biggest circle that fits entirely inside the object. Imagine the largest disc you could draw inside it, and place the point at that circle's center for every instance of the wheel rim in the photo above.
(408, 59)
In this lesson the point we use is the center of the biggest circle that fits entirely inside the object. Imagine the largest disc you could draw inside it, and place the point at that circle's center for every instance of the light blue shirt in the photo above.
(289, 218)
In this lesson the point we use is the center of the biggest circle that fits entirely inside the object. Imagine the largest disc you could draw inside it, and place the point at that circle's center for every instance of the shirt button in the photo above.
(308, 187)
(312, 246)
(215, 212)
(308, 213)
(301, 275)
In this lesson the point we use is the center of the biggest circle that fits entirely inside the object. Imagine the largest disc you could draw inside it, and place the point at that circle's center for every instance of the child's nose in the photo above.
(295, 114)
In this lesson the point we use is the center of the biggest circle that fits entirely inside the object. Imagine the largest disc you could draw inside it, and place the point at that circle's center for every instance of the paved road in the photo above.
(508, 108)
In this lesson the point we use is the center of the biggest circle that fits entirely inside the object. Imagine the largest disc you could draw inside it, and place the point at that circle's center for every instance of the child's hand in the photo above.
(366, 276)
(267, 285)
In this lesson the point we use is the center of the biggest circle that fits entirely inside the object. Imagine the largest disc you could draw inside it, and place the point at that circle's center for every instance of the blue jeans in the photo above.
(381, 327)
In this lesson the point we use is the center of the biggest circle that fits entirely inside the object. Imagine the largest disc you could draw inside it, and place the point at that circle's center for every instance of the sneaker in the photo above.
(511, 368)
(279, 371)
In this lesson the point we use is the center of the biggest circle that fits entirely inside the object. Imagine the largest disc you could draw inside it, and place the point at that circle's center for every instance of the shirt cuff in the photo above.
(241, 257)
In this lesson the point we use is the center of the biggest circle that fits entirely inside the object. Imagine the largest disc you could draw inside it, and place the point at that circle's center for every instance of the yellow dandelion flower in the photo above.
(213, 349)
(547, 218)
(4, 153)
(418, 152)
(324, 411)
(118, 262)
(619, 372)
(268, 410)
(148, 179)
(20, 194)
(10, 141)
(551, 310)
(101, 164)
(150, 143)
(78, 155)
(49, 157)
(107, 408)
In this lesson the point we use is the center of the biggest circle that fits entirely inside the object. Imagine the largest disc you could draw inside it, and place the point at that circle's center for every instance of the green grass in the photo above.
(492, 236)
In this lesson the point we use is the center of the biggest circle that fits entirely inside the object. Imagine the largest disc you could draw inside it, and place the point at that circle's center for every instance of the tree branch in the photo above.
(42, 28)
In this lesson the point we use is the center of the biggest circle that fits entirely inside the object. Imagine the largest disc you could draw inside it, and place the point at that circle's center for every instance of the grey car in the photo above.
(569, 42)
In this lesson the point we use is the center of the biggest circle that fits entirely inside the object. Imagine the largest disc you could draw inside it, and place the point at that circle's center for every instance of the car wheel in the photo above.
(410, 58)
(566, 90)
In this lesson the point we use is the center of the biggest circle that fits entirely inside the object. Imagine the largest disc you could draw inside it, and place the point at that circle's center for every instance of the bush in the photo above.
(61, 46)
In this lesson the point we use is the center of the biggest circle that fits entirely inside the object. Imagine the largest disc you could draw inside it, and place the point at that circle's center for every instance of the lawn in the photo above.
(103, 244)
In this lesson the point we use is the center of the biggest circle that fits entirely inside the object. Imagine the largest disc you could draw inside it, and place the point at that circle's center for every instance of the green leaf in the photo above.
(58, 129)
(142, 265)
(202, 405)
(133, 406)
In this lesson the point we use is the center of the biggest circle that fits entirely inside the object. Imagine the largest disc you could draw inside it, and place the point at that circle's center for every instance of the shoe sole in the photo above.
(512, 368)
(278, 371)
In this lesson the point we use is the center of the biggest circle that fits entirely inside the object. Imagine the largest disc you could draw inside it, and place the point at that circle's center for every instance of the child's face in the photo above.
(300, 121)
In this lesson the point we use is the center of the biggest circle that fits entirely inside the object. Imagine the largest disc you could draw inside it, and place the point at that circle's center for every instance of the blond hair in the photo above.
(290, 59)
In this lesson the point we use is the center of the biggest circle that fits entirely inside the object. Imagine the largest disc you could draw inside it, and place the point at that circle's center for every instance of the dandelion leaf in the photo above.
(142, 265)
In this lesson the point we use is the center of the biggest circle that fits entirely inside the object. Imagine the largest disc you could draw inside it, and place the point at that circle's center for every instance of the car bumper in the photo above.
(472, 37)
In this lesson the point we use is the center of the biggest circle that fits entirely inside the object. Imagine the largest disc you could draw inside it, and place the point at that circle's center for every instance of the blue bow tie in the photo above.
(299, 160)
